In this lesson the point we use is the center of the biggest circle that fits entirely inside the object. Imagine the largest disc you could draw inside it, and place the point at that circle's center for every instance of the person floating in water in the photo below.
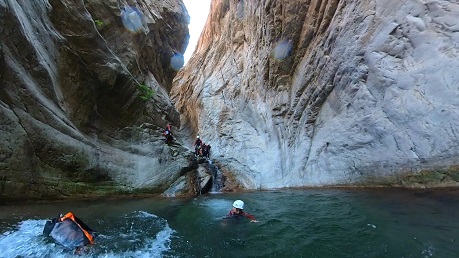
(70, 232)
(237, 212)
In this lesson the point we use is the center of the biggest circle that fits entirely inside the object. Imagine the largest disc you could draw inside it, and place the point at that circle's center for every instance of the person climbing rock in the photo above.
(169, 127)
(202, 151)
(168, 134)
(237, 212)
(197, 145)
(205, 150)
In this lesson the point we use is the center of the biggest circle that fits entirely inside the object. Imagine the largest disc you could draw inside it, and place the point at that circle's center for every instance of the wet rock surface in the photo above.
(195, 182)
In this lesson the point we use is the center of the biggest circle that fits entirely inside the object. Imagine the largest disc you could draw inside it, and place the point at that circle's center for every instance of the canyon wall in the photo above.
(294, 93)
(84, 97)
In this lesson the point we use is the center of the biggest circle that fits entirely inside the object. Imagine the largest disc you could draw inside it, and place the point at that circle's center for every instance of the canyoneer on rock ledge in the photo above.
(201, 149)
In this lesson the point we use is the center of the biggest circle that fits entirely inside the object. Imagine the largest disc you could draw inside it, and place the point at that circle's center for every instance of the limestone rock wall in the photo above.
(310, 93)
(78, 114)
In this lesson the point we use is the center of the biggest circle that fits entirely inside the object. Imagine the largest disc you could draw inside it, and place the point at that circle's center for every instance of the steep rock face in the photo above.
(312, 93)
(78, 114)
(196, 182)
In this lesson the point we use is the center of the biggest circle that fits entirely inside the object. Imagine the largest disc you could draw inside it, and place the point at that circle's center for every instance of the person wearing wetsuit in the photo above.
(197, 145)
(208, 151)
(168, 134)
(237, 212)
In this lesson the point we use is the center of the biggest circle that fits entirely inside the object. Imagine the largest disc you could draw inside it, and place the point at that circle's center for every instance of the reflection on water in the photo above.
(306, 223)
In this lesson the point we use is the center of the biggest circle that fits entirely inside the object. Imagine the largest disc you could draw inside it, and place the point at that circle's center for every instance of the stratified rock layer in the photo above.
(78, 114)
(308, 93)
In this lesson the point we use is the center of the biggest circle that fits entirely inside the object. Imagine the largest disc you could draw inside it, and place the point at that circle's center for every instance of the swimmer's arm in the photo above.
(251, 217)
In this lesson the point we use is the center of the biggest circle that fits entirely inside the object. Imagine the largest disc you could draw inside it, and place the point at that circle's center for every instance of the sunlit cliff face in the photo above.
(311, 93)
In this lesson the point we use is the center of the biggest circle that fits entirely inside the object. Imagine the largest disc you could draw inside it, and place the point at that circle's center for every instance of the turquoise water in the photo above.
(293, 223)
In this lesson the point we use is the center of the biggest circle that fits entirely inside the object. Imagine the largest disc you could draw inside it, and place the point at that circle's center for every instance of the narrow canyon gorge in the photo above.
(289, 93)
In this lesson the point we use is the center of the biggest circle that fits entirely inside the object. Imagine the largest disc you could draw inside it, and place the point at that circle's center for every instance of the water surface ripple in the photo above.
(293, 223)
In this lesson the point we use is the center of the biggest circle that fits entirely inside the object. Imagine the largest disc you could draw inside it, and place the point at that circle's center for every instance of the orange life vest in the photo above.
(69, 215)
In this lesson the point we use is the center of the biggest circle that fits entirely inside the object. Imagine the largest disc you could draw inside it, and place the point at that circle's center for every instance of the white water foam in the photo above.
(152, 247)
(27, 240)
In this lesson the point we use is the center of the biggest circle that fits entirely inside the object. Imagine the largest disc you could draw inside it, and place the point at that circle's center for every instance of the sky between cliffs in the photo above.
(198, 11)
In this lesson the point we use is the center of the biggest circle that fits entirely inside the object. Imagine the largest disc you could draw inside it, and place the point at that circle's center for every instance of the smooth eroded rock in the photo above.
(313, 93)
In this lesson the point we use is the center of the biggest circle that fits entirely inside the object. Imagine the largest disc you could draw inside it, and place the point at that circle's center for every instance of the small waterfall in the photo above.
(217, 178)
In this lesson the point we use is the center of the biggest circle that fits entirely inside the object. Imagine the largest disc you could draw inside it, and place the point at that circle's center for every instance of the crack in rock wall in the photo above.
(297, 93)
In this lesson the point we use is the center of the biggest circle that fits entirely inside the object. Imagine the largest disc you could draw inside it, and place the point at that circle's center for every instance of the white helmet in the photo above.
(238, 204)
(197, 136)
